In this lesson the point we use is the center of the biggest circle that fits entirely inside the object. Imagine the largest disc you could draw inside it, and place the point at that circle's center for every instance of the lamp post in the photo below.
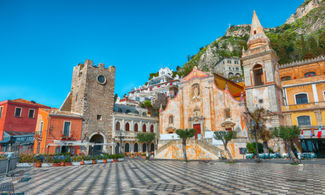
(120, 136)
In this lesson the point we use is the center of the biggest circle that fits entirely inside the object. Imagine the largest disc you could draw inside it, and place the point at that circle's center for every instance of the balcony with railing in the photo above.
(309, 105)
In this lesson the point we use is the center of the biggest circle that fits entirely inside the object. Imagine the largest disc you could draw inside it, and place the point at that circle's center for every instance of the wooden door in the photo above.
(197, 127)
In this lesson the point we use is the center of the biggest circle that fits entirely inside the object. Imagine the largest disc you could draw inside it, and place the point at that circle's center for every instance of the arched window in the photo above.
(303, 120)
(117, 126)
(127, 127)
(144, 128)
(285, 78)
(144, 147)
(237, 75)
(171, 119)
(152, 147)
(301, 98)
(127, 147)
(136, 127)
(151, 128)
(230, 74)
(310, 74)
(136, 147)
(258, 75)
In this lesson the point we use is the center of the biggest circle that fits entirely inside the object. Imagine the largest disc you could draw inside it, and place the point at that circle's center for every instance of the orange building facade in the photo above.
(57, 132)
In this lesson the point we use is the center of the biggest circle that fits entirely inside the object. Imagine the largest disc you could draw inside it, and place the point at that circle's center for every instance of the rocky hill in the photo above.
(301, 37)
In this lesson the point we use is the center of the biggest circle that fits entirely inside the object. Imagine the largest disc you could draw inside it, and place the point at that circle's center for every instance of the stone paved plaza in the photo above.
(176, 177)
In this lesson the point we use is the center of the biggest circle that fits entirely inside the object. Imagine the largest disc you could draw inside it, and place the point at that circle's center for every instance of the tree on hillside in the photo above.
(226, 137)
(289, 134)
(146, 138)
(185, 134)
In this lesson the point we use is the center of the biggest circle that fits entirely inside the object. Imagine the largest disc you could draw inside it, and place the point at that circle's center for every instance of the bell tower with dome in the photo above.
(261, 73)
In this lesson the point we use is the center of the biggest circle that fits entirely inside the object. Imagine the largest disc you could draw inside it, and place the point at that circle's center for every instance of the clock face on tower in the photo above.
(101, 79)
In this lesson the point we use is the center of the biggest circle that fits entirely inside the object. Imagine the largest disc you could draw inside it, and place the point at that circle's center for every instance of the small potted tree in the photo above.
(88, 160)
(115, 157)
(56, 162)
(76, 160)
(62, 162)
(143, 155)
(39, 161)
(93, 159)
(67, 161)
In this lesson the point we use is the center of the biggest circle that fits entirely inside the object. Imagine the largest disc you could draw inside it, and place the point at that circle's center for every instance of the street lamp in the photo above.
(120, 136)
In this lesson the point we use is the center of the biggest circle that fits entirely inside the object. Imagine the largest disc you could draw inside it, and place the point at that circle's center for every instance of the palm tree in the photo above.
(289, 134)
(226, 137)
(185, 134)
(146, 138)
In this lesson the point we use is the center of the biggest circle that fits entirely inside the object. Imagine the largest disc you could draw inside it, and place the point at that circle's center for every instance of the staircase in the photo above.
(209, 147)
(165, 146)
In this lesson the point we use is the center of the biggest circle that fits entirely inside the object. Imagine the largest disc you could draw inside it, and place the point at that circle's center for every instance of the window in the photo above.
(229, 61)
(236, 62)
(310, 74)
(301, 98)
(151, 128)
(237, 68)
(136, 127)
(99, 117)
(230, 74)
(285, 78)
(258, 75)
(303, 120)
(31, 113)
(117, 126)
(18, 112)
(66, 128)
(171, 119)
(127, 127)
(1, 108)
(144, 128)
(229, 68)
(227, 113)
(41, 128)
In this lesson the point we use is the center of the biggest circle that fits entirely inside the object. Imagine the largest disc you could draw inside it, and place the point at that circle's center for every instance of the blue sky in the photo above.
(41, 41)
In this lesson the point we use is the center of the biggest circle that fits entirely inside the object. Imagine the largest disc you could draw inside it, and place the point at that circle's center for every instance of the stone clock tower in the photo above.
(92, 96)
(261, 71)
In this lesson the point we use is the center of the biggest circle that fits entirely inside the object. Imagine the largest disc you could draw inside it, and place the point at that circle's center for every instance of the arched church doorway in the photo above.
(97, 139)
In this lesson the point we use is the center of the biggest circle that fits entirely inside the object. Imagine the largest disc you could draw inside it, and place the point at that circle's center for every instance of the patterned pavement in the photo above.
(175, 177)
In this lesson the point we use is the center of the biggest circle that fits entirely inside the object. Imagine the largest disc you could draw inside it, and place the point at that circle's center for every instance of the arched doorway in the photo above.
(144, 148)
(152, 147)
(127, 147)
(117, 148)
(136, 147)
(97, 139)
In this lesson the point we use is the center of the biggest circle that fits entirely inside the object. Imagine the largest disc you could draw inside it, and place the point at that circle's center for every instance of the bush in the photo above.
(251, 148)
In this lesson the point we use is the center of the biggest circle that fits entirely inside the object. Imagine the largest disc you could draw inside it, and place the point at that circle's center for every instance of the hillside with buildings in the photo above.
(302, 36)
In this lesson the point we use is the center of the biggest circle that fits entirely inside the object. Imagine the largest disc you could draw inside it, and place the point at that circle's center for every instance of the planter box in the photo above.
(46, 165)
(67, 164)
(88, 162)
(24, 165)
(120, 159)
(76, 163)
(56, 165)
(115, 160)
(109, 160)
(100, 161)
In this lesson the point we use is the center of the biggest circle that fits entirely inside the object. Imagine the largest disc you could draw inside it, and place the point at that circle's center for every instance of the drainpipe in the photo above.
(47, 131)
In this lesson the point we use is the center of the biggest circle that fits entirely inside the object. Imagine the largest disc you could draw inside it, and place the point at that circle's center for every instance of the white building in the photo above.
(229, 68)
(164, 83)
(127, 122)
